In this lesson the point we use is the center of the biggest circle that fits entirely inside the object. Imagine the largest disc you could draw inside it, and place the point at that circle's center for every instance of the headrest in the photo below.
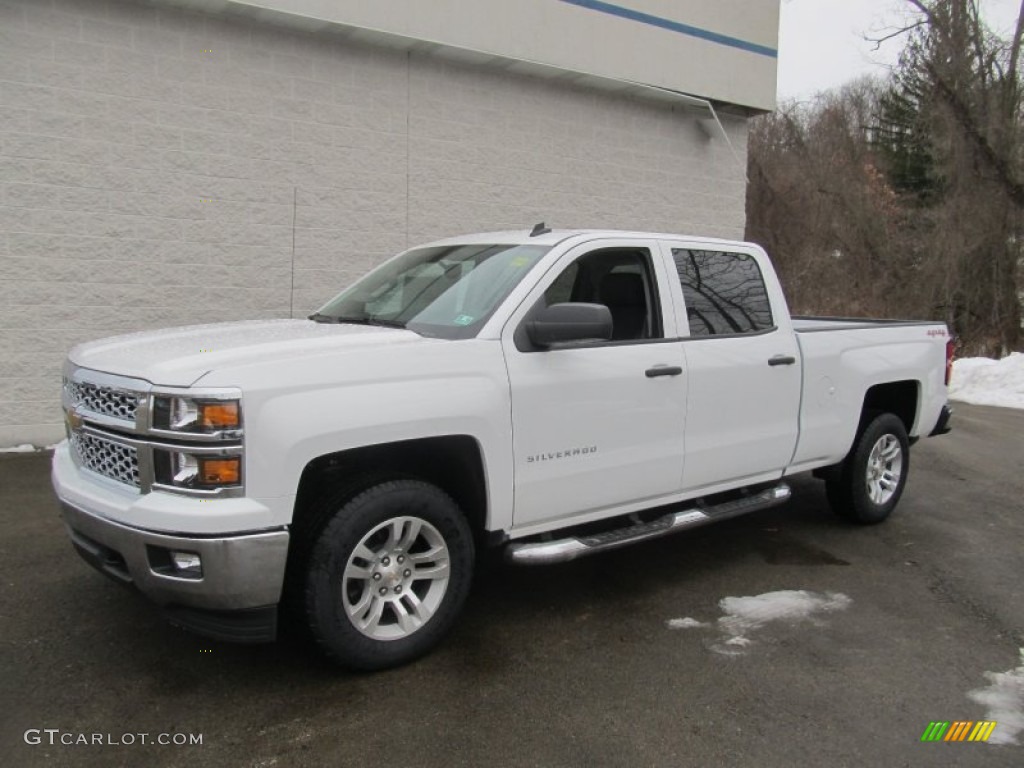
(623, 289)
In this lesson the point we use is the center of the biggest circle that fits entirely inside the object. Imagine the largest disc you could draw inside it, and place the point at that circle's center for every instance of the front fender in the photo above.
(289, 427)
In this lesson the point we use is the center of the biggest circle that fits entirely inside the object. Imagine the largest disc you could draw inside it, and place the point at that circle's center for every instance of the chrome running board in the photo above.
(573, 547)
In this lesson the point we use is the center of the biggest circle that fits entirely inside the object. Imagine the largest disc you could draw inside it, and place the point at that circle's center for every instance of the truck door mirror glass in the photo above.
(562, 323)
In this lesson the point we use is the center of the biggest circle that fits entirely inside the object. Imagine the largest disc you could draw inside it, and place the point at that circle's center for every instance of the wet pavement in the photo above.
(570, 665)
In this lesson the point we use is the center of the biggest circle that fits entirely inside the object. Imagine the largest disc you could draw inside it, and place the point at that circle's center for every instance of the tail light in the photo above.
(950, 356)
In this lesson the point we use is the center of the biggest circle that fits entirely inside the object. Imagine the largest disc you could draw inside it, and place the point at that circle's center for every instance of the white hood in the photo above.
(181, 356)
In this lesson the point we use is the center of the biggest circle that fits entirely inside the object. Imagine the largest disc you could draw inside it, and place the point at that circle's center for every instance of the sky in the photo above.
(821, 42)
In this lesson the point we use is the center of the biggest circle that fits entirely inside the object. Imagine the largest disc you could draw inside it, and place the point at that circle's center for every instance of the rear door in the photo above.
(743, 366)
(596, 425)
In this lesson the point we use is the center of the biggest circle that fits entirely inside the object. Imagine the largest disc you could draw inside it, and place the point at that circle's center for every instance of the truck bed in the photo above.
(841, 366)
(811, 324)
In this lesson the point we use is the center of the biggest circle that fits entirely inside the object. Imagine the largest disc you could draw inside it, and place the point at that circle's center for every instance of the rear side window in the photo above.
(724, 292)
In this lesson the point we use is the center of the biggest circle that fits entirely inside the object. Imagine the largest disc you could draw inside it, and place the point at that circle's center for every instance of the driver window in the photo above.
(622, 280)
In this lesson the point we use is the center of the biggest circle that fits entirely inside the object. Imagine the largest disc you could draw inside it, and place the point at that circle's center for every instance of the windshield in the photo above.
(444, 291)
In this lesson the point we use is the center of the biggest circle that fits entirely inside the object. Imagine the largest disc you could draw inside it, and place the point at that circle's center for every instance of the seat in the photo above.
(623, 293)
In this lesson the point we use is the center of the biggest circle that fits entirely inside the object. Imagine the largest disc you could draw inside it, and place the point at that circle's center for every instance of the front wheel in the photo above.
(871, 479)
(388, 575)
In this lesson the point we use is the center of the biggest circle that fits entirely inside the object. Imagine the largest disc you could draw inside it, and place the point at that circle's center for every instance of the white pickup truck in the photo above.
(555, 393)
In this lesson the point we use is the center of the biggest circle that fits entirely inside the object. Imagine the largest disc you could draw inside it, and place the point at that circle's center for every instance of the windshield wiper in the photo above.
(356, 320)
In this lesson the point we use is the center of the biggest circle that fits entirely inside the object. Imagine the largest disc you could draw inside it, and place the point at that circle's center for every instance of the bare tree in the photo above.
(818, 201)
(905, 197)
(969, 89)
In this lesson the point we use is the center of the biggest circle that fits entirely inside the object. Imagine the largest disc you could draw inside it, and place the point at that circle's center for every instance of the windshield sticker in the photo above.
(463, 319)
(520, 261)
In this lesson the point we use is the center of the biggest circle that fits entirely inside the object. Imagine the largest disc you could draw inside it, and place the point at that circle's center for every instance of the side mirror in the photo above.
(561, 323)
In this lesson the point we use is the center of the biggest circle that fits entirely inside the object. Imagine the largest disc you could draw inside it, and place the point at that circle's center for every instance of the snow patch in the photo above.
(983, 381)
(23, 448)
(738, 641)
(744, 615)
(1003, 700)
(28, 448)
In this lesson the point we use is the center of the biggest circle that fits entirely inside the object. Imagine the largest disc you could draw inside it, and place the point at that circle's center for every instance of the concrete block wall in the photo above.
(161, 167)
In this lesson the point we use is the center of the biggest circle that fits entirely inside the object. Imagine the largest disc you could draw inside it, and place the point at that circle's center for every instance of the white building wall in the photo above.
(720, 49)
(160, 167)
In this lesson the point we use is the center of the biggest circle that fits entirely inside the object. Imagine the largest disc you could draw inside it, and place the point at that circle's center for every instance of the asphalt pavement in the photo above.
(570, 665)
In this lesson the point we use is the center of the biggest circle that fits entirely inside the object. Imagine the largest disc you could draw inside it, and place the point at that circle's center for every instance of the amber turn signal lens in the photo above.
(220, 471)
(218, 415)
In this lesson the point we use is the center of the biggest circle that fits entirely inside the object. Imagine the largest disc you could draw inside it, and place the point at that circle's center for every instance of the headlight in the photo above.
(197, 450)
(197, 471)
(197, 416)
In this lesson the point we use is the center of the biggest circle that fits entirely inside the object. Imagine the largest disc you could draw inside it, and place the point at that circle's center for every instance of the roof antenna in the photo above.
(539, 229)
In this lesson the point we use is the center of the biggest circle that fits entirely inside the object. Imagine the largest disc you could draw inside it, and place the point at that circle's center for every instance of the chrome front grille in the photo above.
(109, 421)
(107, 401)
(108, 458)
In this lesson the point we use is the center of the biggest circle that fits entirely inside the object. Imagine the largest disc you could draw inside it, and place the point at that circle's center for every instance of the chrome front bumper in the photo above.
(238, 572)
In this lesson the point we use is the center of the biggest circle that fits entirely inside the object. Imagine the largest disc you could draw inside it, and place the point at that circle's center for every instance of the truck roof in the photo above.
(555, 236)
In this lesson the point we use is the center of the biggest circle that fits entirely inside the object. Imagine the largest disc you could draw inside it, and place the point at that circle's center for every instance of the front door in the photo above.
(597, 425)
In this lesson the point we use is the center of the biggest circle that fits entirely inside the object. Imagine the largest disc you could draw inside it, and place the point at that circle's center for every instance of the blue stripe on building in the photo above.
(674, 26)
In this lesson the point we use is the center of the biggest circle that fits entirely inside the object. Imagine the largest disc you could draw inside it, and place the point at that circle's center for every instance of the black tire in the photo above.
(329, 594)
(848, 489)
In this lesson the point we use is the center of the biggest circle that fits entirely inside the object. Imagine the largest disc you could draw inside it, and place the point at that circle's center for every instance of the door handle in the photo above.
(663, 370)
(781, 360)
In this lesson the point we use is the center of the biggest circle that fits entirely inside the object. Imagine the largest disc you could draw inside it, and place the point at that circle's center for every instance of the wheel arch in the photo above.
(454, 463)
(900, 398)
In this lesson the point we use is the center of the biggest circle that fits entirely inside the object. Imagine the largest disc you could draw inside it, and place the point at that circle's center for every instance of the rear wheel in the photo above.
(871, 479)
(388, 575)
